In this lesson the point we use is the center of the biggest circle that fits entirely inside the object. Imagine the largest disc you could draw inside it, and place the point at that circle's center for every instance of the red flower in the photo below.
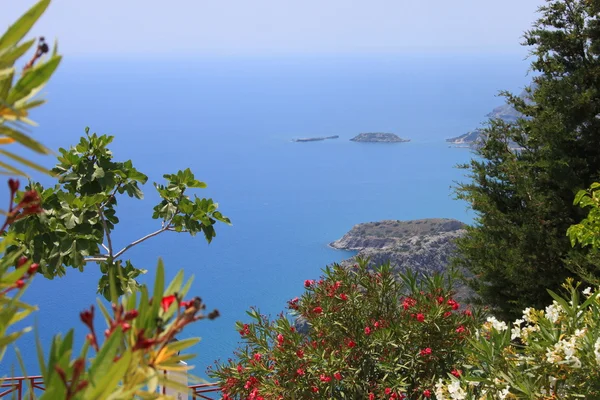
(420, 317)
(87, 317)
(468, 313)
(447, 314)
(371, 396)
(367, 331)
(280, 339)
(315, 389)
(308, 283)
(456, 372)
(300, 353)
(388, 390)
(19, 284)
(460, 329)
(426, 393)
(239, 368)
(343, 296)
(245, 330)
(257, 356)
(453, 304)
(337, 376)
(440, 300)
(317, 310)
(324, 378)
(300, 371)
(167, 301)
(351, 343)
(425, 352)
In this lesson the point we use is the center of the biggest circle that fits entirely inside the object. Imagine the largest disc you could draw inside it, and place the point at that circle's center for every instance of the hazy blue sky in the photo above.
(281, 26)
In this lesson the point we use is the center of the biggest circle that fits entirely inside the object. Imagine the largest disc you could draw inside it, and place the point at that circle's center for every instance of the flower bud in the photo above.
(13, 184)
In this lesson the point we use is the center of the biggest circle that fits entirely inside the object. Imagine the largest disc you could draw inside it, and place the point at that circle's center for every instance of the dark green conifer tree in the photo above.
(523, 198)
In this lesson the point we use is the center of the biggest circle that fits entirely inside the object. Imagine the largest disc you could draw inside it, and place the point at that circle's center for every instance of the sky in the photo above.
(271, 27)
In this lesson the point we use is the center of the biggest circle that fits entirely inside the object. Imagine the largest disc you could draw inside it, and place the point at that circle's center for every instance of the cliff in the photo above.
(505, 112)
(423, 246)
(379, 137)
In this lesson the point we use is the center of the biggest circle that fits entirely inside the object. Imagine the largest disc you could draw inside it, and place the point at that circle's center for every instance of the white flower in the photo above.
(587, 291)
(597, 351)
(439, 390)
(529, 314)
(553, 312)
(500, 326)
(515, 332)
(456, 392)
(502, 395)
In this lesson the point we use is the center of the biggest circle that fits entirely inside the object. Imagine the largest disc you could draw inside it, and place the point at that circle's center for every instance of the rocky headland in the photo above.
(423, 246)
(506, 113)
(379, 137)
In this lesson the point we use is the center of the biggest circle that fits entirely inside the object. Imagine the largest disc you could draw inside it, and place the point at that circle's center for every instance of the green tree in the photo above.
(80, 213)
(523, 197)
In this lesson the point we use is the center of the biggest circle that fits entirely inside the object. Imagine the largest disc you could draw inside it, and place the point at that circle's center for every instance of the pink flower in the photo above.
(300, 371)
(456, 372)
(324, 378)
(308, 283)
(280, 339)
(337, 376)
(426, 393)
(460, 329)
(367, 331)
(425, 352)
(257, 356)
(388, 390)
(371, 396)
(420, 317)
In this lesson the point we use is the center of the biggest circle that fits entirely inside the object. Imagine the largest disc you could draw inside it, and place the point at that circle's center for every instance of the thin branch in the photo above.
(104, 247)
(95, 259)
(110, 248)
(148, 236)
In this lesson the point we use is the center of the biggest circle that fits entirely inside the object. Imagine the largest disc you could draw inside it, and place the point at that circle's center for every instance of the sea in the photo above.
(231, 120)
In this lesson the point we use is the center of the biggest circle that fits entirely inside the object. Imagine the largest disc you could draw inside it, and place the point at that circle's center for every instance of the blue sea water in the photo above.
(231, 120)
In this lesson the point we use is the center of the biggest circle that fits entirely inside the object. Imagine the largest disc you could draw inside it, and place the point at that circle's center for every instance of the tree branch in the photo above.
(148, 236)
(95, 259)
(110, 248)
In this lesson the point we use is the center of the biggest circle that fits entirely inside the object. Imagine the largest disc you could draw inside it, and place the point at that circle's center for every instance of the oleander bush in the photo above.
(546, 354)
(370, 334)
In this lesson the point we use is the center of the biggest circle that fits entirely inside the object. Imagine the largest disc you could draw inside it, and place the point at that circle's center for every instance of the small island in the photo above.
(378, 137)
(315, 139)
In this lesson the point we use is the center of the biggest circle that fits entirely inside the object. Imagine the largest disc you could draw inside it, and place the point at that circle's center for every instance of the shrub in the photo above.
(546, 354)
(371, 334)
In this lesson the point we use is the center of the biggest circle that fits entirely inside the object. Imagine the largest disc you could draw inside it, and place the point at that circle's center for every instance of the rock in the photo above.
(378, 137)
(315, 139)
(422, 246)
(506, 113)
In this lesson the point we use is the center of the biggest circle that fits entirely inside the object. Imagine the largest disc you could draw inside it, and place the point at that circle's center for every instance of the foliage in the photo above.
(371, 335)
(15, 281)
(586, 233)
(80, 213)
(138, 346)
(546, 354)
(523, 198)
(18, 98)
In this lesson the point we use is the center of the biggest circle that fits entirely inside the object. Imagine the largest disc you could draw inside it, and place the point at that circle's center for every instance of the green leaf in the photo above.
(24, 140)
(24, 161)
(19, 29)
(10, 55)
(33, 79)
(102, 364)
